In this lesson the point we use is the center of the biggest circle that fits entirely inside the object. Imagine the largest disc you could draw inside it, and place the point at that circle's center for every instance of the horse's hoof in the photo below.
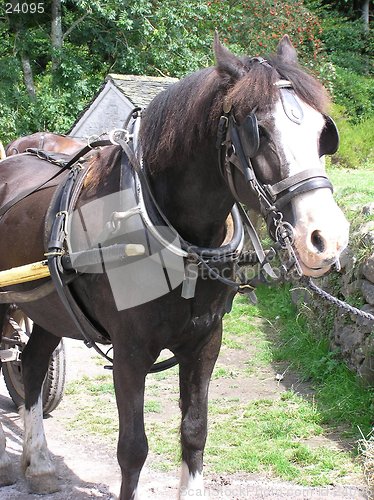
(42, 484)
(7, 474)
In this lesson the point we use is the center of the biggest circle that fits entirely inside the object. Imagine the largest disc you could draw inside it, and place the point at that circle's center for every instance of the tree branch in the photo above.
(74, 25)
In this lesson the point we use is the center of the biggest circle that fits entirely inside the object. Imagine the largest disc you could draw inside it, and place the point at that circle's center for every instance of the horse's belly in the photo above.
(50, 314)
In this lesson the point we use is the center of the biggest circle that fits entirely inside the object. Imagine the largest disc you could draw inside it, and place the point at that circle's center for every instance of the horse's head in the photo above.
(276, 123)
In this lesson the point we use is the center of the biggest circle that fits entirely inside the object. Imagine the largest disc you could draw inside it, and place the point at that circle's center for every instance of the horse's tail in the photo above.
(2, 152)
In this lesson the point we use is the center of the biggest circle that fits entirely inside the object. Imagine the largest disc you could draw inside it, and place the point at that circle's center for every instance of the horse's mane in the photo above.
(188, 112)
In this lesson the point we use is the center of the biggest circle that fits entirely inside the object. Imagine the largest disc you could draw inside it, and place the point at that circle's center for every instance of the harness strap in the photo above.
(261, 256)
(64, 165)
(279, 187)
(4, 209)
(227, 250)
(88, 331)
(11, 297)
(304, 187)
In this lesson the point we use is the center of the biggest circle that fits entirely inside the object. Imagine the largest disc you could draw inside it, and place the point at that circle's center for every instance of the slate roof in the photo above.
(140, 89)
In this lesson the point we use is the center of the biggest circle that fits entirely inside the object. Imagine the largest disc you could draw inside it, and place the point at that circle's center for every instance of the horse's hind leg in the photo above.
(194, 376)
(36, 460)
(7, 472)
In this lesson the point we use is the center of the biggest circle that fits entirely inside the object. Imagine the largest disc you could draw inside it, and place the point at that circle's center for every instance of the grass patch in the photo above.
(152, 406)
(223, 372)
(267, 437)
(356, 139)
(340, 397)
(264, 436)
(352, 187)
(96, 406)
(243, 330)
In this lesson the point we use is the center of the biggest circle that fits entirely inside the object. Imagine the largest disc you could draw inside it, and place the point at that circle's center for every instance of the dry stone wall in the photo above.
(354, 335)
(351, 335)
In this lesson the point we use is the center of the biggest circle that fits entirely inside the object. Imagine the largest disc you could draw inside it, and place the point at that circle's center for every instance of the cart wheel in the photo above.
(54, 383)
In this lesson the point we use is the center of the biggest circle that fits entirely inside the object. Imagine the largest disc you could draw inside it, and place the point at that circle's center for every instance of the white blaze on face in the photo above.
(321, 229)
(299, 142)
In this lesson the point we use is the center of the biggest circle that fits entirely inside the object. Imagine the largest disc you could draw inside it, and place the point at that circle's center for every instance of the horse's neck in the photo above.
(195, 200)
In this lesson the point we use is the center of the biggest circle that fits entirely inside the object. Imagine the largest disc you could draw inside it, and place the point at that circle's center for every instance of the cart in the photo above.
(16, 331)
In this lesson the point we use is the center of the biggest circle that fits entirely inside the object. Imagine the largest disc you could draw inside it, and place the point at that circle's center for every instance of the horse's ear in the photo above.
(286, 51)
(226, 61)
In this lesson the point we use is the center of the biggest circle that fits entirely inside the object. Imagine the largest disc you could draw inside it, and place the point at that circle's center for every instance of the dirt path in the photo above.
(87, 467)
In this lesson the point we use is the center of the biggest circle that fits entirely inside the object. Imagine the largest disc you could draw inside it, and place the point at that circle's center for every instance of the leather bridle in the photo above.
(236, 150)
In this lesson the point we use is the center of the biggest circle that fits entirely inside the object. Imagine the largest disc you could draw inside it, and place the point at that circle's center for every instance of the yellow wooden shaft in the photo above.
(29, 272)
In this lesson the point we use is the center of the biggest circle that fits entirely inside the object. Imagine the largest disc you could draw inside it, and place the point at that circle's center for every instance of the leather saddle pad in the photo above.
(25, 172)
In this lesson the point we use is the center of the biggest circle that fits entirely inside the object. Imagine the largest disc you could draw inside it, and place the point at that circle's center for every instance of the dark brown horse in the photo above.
(278, 111)
(47, 141)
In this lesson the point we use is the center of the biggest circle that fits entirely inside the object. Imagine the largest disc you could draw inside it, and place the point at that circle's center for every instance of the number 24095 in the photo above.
(24, 8)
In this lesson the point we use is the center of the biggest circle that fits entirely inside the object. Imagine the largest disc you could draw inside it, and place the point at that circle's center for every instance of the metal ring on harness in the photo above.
(121, 133)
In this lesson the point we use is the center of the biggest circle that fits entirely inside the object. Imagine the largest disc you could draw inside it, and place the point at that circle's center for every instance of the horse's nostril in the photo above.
(318, 241)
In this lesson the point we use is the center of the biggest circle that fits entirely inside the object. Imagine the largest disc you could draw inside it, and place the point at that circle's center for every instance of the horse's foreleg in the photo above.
(129, 381)
(194, 374)
(36, 460)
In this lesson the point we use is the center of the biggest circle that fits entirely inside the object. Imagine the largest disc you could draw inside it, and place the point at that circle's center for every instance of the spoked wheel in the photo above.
(17, 329)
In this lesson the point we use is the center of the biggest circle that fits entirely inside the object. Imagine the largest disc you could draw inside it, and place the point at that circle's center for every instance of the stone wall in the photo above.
(352, 335)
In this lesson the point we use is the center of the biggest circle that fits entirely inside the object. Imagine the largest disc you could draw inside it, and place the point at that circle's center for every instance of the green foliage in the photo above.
(146, 37)
(167, 38)
(257, 25)
(355, 92)
(347, 44)
(356, 140)
(349, 8)
(349, 48)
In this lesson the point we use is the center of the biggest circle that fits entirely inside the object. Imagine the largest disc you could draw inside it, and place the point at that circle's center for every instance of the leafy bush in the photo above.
(347, 44)
(356, 140)
(355, 92)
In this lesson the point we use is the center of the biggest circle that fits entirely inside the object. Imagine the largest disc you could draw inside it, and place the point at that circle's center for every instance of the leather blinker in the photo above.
(329, 138)
(249, 135)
